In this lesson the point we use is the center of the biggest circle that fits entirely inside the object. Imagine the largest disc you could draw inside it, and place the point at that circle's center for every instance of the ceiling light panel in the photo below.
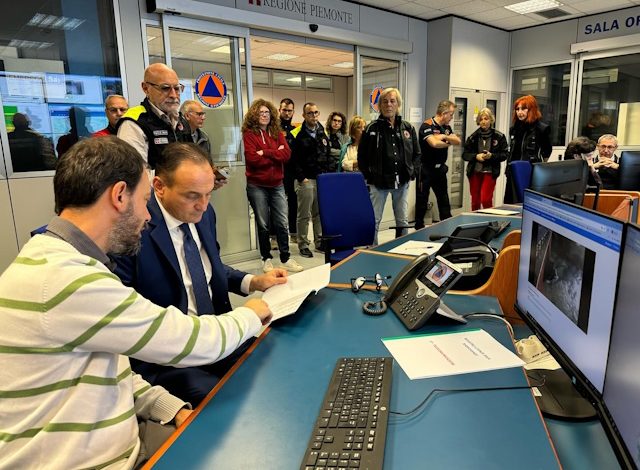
(281, 57)
(532, 6)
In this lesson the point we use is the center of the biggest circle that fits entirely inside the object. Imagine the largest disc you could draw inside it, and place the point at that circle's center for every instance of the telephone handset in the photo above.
(415, 293)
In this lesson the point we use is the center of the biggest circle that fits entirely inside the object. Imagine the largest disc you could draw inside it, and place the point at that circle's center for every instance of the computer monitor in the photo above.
(566, 179)
(567, 278)
(629, 171)
(621, 396)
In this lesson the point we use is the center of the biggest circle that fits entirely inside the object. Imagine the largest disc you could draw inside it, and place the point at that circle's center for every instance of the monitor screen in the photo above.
(568, 253)
(566, 179)
(629, 171)
(622, 383)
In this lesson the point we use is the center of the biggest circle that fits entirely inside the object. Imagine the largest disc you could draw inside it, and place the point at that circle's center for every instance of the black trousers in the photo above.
(436, 179)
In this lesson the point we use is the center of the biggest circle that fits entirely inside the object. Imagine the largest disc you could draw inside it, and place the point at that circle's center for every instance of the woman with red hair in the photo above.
(530, 138)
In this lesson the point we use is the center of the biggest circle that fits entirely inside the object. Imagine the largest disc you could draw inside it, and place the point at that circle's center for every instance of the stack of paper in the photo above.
(463, 352)
(285, 299)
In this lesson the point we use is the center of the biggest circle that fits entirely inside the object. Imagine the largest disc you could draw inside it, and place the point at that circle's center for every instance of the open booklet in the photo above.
(285, 299)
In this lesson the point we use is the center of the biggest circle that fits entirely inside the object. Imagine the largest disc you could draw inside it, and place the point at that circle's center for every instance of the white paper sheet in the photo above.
(285, 299)
(463, 352)
(497, 212)
(416, 248)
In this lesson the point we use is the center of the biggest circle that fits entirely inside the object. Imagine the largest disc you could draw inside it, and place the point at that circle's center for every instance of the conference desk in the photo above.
(262, 416)
(446, 227)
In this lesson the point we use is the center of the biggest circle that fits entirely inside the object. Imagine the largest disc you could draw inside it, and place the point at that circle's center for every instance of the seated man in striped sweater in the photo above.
(68, 325)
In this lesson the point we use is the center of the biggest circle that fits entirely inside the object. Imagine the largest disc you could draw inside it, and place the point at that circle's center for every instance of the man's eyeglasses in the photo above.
(114, 109)
(200, 114)
(607, 147)
(166, 89)
(312, 113)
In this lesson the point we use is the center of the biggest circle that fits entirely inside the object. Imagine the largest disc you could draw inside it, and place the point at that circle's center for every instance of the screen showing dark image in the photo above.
(562, 270)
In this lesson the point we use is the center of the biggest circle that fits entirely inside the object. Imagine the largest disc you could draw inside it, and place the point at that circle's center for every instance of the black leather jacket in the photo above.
(499, 152)
(374, 158)
(535, 145)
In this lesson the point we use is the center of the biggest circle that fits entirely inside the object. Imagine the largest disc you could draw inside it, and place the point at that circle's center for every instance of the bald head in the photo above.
(162, 88)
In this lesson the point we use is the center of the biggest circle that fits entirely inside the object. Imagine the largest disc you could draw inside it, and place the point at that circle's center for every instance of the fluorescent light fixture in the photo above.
(40, 20)
(19, 43)
(294, 79)
(225, 50)
(532, 6)
(343, 65)
(281, 57)
(151, 38)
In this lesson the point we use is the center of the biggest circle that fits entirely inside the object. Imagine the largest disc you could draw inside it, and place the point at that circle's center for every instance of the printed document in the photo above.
(416, 248)
(463, 352)
(285, 299)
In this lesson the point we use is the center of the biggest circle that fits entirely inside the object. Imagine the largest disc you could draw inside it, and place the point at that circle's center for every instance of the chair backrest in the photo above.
(521, 172)
(345, 209)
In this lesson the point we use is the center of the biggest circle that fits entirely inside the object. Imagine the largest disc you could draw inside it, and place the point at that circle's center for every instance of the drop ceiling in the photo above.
(492, 12)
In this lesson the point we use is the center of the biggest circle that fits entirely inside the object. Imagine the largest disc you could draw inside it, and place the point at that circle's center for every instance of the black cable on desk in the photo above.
(455, 390)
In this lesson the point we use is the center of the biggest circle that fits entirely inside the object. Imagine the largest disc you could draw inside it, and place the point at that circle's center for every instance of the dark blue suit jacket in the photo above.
(155, 272)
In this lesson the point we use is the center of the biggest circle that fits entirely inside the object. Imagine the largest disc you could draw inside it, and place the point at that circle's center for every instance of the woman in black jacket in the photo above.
(485, 149)
(530, 138)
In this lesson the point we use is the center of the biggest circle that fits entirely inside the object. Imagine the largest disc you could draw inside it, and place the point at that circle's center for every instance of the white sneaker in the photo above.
(267, 265)
(293, 266)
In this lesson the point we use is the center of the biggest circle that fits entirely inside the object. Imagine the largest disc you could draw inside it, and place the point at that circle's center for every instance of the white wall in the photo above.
(438, 64)
(543, 44)
(479, 57)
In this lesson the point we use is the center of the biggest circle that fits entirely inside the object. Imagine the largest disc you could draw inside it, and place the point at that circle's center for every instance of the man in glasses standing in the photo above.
(310, 156)
(156, 122)
(114, 106)
(193, 112)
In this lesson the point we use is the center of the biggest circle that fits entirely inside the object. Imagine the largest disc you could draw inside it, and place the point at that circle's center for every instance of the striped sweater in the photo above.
(68, 398)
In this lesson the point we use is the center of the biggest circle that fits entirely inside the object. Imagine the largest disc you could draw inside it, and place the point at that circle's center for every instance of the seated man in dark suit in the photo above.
(179, 262)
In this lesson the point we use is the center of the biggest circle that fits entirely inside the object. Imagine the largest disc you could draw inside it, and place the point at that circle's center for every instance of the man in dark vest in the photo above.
(156, 122)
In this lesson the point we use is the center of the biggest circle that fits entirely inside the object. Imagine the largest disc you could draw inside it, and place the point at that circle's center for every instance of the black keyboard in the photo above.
(351, 429)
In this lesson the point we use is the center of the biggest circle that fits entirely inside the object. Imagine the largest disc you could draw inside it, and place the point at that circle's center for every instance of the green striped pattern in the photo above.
(63, 384)
(68, 427)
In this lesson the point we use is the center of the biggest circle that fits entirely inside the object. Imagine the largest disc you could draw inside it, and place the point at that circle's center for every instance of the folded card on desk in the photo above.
(438, 354)
(285, 299)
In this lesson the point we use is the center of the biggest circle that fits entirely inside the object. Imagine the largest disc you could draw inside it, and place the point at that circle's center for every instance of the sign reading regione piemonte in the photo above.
(374, 98)
(211, 89)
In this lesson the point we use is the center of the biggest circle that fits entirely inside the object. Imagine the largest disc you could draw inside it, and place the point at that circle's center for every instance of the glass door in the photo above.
(207, 58)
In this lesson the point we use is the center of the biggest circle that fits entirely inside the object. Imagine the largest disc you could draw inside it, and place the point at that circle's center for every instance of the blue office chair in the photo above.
(521, 176)
(346, 214)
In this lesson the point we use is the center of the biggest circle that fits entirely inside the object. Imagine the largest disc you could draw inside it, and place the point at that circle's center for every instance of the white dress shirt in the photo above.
(177, 238)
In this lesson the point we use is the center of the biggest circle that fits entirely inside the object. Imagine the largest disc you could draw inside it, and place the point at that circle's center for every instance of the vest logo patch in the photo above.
(406, 133)
(161, 132)
(161, 140)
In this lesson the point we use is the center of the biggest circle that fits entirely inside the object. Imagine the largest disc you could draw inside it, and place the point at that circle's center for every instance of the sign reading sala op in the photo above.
(211, 89)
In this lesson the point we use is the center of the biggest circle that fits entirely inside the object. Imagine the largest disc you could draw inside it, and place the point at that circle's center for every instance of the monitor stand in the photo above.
(559, 398)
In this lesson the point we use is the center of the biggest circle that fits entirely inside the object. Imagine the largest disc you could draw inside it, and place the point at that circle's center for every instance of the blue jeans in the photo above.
(270, 204)
(400, 198)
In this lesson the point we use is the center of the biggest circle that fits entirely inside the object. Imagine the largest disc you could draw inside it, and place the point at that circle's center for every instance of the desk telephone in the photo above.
(415, 293)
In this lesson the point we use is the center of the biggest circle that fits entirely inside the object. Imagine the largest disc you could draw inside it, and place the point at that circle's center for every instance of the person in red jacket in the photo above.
(266, 151)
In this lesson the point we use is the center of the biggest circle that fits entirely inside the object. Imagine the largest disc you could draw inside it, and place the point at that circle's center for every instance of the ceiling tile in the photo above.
(489, 16)
(595, 6)
(467, 9)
